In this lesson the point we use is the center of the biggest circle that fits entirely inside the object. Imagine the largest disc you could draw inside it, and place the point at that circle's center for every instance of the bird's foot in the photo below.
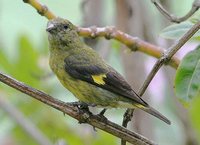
(83, 108)
(80, 105)
(76, 104)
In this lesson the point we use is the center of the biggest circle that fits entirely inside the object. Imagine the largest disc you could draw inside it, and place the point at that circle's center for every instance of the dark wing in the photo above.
(115, 82)
(107, 79)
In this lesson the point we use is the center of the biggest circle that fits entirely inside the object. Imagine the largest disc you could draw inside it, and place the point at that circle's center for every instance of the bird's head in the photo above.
(62, 32)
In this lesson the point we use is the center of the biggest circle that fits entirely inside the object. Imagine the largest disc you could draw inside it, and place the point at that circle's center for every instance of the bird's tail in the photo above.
(155, 113)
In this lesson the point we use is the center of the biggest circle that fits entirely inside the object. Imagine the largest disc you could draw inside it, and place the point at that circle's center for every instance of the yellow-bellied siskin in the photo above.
(84, 73)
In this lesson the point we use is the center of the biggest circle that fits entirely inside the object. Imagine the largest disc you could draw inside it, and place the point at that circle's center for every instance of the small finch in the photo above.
(84, 73)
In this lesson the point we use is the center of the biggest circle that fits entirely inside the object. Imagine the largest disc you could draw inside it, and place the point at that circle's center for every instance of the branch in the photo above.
(82, 116)
(172, 18)
(133, 43)
(41, 9)
(30, 128)
(168, 55)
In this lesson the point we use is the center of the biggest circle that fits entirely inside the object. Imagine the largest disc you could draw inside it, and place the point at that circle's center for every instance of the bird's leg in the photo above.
(82, 109)
(102, 112)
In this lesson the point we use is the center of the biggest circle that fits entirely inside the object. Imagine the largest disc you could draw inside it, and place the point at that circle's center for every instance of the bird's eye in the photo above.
(65, 27)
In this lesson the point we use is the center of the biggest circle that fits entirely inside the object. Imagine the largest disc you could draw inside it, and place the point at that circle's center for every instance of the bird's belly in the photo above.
(84, 91)
(89, 93)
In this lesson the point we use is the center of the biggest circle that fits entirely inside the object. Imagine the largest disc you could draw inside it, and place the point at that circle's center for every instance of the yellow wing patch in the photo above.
(99, 79)
(140, 106)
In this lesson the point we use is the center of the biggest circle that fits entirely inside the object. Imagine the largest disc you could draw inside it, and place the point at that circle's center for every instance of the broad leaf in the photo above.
(194, 113)
(187, 81)
(175, 31)
(27, 62)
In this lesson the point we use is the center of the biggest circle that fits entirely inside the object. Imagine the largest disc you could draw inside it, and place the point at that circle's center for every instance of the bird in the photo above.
(83, 72)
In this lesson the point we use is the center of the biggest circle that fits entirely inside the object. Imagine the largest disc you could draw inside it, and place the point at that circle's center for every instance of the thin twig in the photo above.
(30, 128)
(127, 117)
(133, 43)
(172, 18)
(75, 112)
(168, 55)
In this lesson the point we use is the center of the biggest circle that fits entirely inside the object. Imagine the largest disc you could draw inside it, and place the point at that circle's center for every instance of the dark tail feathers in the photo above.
(155, 113)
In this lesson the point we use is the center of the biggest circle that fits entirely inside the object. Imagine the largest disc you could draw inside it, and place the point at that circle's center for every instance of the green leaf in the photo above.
(175, 31)
(187, 80)
(194, 113)
(4, 62)
(27, 62)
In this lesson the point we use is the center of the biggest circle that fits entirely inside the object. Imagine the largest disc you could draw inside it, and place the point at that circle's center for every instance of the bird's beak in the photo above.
(50, 27)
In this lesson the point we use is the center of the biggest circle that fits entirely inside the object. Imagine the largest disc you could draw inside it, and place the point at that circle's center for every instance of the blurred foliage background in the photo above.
(24, 56)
